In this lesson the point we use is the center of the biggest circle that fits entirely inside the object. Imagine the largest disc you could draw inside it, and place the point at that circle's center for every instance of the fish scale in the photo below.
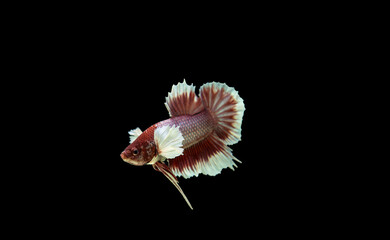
(194, 128)
(195, 139)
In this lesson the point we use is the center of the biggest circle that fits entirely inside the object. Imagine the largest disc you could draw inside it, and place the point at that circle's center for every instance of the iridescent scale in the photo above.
(194, 128)
(208, 124)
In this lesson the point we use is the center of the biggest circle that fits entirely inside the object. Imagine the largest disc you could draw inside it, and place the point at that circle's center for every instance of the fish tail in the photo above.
(226, 107)
(212, 154)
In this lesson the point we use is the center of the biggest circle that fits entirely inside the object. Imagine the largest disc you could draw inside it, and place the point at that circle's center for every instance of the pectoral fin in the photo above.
(169, 141)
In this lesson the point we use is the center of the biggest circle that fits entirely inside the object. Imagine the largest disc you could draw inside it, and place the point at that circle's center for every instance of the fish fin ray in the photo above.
(182, 100)
(169, 141)
(227, 107)
(134, 134)
(164, 169)
(208, 157)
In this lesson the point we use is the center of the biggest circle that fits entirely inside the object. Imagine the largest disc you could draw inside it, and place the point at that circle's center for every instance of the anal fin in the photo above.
(208, 157)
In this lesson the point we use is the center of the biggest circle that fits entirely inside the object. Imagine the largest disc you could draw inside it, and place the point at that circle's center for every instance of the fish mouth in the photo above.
(123, 156)
(131, 161)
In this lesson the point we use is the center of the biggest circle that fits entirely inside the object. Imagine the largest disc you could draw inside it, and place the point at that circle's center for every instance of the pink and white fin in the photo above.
(208, 157)
(227, 107)
(169, 141)
(182, 100)
(164, 169)
(212, 154)
(134, 134)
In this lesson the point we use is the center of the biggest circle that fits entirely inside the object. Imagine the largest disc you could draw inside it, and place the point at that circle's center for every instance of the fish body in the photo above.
(194, 128)
(194, 140)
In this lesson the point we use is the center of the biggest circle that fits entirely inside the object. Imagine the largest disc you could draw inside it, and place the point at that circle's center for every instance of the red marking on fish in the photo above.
(194, 140)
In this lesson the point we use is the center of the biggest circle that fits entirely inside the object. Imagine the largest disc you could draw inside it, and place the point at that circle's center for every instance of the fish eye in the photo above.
(135, 151)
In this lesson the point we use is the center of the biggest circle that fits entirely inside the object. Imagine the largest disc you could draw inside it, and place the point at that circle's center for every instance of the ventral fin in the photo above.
(164, 169)
(169, 141)
(134, 134)
(182, 100)
(208, 157)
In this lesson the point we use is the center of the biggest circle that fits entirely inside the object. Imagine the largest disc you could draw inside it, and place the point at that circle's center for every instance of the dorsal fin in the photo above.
(182, 100)
(134, 134)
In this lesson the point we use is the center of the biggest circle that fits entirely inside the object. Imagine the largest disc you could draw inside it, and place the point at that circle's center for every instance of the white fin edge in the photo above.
(224, 112)
(191, 105)
(168, 174)
(213, 166)
(155, 159)
(134, 134)
(169, 141)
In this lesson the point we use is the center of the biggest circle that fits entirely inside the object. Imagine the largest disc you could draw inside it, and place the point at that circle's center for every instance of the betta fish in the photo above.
(195, 139)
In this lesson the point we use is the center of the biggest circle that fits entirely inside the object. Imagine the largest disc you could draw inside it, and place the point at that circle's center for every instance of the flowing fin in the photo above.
(134, 134)
(182, 100)
(227, 107)
(209, 157)
(169, 141)
(212, 154)
(155, 159)
(161, 167)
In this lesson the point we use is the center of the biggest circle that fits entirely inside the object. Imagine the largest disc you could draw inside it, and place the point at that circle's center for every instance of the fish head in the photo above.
(139, 153)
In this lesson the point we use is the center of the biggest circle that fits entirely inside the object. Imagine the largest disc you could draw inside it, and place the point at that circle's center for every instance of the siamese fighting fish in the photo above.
(195, 139)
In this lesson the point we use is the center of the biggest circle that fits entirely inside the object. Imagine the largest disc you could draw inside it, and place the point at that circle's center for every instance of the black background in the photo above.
(90, 175)
(88, 104)
(119, 106)
(78, 78)
(88, 119)
(86, 90)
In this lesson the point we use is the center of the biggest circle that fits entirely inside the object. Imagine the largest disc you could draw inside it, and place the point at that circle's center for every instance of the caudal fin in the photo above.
(227, 107)
(212, 154)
